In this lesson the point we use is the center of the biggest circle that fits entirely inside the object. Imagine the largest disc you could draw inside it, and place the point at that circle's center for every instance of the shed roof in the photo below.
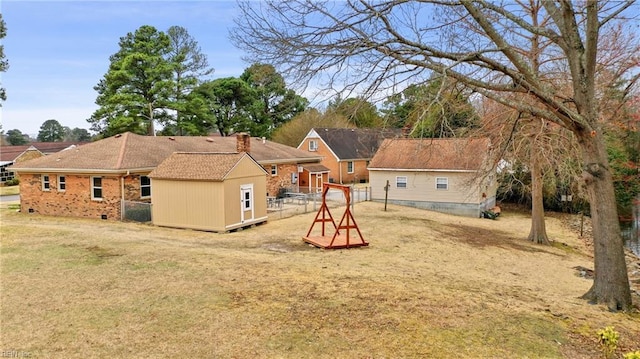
(456, 154)
(355, 143)
(198, 166)
(129, 151)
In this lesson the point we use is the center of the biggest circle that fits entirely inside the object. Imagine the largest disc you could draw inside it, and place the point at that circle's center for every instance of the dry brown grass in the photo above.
(428, 286)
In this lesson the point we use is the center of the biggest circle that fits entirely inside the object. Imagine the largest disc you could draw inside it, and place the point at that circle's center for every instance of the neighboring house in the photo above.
(15, 154)
(346, 152)
(95, 179)
(445, 175)
(209, 191)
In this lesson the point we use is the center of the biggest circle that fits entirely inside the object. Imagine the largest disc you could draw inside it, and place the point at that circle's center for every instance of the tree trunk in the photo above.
(611, 282)
(150, 129)
(538, 232)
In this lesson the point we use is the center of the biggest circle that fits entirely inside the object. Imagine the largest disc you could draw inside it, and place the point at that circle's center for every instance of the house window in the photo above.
(145, 187)
(442, 183)
(96, 188)
(350, 167)
(274, 170)
(401, 182)
(46, 184)
(313, 145)
(62, 183)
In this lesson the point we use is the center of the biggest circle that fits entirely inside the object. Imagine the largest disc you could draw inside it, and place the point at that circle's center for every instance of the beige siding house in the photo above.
(209, 191)
(445, 175)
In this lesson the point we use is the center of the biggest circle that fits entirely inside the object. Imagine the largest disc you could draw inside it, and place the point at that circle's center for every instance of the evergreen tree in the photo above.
(51, 131)
(4, 64)
(189, 66)
(136, 90)
(274, 103)
(16, 137)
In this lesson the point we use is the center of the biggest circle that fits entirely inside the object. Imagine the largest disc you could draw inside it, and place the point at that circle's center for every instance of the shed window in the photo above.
(62, 183)
(350, 167)
(274, 170)
(145, 186)
(96, 188)
(313, 145)
(442, 183)
(46, 184)
(401, 182)
(246, 199)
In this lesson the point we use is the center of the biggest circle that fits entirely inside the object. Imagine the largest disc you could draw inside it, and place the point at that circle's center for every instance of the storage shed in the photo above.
(209, 191)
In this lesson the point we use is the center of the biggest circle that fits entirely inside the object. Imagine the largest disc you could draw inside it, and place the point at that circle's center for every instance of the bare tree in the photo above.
(379, 45)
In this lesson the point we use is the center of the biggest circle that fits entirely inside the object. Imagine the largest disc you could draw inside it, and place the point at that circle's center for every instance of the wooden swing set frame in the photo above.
(341, 238)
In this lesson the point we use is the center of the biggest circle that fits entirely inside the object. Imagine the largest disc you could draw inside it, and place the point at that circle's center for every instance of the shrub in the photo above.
(608, 341)
(12, 182)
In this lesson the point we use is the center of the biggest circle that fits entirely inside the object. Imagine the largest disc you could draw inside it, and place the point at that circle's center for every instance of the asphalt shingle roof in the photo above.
(355, 143)
(197, 166)
(129, 151)
(431, 154)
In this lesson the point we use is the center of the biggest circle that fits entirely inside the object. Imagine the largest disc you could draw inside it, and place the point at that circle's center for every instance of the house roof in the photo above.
(198, 166)
(53, 147)
(354, 143)
(454, 154)
(129, 151)
(11, 153)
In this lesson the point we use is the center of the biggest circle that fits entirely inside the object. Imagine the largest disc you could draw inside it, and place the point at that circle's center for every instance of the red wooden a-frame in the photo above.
(338, 239)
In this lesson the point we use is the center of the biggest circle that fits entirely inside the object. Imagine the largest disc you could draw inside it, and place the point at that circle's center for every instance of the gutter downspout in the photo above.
(122, 196)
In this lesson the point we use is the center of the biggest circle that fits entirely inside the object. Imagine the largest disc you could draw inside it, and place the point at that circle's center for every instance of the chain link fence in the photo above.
(136, 211)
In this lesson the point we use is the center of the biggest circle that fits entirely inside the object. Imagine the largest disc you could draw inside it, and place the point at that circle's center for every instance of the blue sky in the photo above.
(59, 50)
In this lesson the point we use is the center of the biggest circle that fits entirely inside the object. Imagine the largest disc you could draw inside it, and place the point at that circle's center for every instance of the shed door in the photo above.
(318, 182)
(246, 205)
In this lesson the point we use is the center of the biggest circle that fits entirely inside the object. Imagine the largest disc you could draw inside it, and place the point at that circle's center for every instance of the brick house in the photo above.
(346, 152)
(95, 179)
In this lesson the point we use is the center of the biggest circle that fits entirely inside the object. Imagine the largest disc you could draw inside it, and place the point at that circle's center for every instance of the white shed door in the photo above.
(246, 205)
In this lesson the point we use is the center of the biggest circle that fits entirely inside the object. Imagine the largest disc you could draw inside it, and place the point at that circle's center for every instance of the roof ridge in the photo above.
(122, 149)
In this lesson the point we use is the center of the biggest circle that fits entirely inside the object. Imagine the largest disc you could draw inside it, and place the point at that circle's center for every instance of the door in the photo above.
(318, 182)
(246, 203)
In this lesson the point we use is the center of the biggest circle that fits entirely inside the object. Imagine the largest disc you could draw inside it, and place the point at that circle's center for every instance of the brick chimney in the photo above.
(243, 142)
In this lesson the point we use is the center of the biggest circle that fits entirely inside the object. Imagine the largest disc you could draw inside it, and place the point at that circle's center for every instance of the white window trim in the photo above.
(446, 183)
(247, 189)
(405, 181)
(313, 145)
(274, 170)
(93, 198)
(149, 185)
(48, 182)
(353, 166)
(59, 182)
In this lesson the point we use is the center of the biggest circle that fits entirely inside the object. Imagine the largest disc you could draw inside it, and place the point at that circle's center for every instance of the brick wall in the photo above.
(75, 201)
(360, 172)
(132, 190)
(281, 180)
(328, 159)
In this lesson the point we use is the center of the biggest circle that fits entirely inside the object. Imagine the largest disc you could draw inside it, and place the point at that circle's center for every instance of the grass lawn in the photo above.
(428, 286)
(9, 190)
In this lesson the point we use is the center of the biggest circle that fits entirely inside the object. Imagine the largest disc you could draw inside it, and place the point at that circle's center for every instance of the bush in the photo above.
(12, 182)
